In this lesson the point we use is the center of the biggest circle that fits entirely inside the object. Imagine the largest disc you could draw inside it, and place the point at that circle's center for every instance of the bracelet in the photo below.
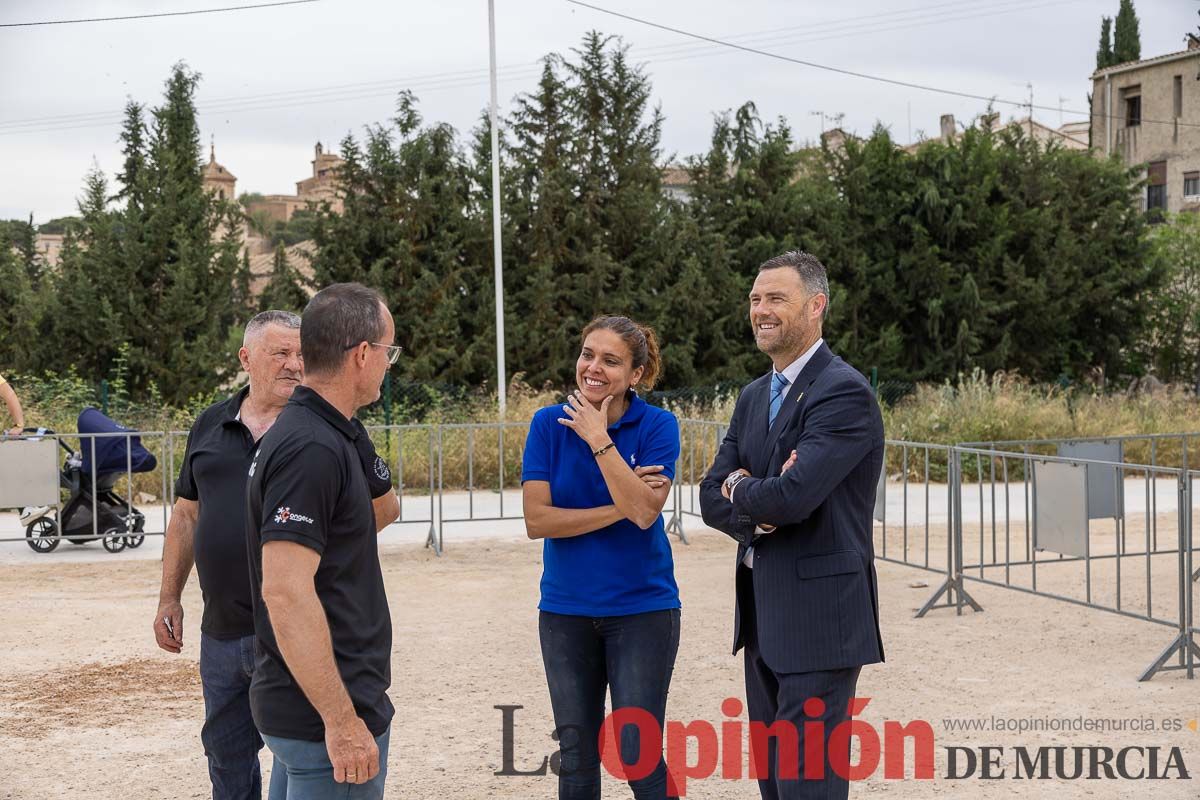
(603, 450)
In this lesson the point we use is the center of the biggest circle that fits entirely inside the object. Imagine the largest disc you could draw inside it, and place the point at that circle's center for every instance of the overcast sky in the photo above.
(276, 80)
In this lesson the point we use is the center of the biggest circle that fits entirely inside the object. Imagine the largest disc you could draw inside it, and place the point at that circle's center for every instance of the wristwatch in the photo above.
(733, 480)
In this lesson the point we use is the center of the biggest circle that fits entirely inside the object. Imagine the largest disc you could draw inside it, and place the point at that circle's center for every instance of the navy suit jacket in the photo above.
(814, 582)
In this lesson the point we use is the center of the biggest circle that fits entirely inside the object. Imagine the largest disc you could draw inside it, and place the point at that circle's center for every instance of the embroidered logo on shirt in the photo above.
(381, 469)
(633, 459)
(284, 515)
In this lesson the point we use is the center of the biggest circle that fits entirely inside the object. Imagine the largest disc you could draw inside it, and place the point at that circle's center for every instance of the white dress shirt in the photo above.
(790, 373)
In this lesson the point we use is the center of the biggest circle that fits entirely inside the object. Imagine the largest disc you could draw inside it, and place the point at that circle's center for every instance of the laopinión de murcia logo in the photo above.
(700, 749)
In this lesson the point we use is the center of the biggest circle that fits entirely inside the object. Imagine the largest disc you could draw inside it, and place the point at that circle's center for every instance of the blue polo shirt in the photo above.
(620, 569)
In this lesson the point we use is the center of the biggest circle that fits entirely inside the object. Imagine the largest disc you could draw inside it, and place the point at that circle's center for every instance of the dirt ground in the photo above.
(90, 708)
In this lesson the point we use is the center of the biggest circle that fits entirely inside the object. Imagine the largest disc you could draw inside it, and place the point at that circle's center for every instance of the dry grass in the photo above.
(976, 409)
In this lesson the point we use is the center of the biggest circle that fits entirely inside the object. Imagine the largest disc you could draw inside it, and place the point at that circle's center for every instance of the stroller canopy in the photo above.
(113, 453)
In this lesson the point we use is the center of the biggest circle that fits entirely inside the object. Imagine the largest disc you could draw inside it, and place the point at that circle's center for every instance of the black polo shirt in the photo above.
(218, 455)
(213, 473)
(307, 485)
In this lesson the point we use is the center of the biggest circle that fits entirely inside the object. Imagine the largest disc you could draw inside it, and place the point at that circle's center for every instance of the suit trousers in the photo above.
(779, 696)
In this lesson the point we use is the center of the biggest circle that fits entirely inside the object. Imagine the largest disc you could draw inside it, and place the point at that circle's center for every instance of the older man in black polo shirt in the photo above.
(207, 528)
(319, 694)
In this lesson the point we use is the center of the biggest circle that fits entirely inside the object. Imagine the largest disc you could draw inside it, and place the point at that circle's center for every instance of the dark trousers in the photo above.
(230, 739)
(772, 696)
(633, 657)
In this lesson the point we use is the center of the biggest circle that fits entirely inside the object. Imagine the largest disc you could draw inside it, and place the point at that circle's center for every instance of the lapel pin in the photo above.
(799, 397)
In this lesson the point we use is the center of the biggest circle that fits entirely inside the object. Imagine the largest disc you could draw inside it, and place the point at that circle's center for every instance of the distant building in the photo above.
(299, 257)
(321, 187)
(49, 247)
(1072, 136)
(1148, 113)
(217, 179)
(677, 182)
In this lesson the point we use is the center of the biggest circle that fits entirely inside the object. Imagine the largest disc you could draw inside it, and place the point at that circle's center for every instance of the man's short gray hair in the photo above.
(810, 269)
(284, 319)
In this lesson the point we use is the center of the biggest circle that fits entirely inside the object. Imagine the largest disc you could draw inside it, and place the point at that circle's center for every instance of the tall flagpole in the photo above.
(501, 382)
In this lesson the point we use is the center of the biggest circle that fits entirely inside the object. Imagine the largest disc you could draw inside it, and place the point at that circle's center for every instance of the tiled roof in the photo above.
(1146, 62)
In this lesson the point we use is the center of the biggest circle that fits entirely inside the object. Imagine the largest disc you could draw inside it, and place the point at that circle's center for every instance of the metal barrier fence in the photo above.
(699, 441)
(413, 449)
(1152, 449)
(450, 473)
(1072, 525)
(1107, 534)
(924, 504)
(484, 461)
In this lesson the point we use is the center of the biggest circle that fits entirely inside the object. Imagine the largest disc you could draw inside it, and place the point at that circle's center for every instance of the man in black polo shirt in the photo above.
(319, 694)
(207, 528)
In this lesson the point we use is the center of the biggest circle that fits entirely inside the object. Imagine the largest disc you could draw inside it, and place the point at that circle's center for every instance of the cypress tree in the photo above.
(243, 301)
(86, 324)
(179, 250)
(283, 291)
(541, 203)
(1127, 41)
(23, 238)
(1104, 54)
(19, 342)
(404, 231)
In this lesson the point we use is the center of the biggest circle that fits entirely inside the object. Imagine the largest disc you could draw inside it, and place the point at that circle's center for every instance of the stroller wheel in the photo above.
(114, 540)
(134, 541)
(36, 532)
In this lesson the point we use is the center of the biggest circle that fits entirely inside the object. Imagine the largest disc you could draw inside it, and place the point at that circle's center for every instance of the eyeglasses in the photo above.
(393, 350)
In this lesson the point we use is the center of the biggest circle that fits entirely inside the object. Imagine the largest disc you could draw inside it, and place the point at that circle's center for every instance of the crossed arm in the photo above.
(715, 508)
(638, 495)
(840, 428)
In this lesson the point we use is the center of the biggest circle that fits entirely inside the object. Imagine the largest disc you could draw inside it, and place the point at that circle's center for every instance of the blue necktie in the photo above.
(778, 388)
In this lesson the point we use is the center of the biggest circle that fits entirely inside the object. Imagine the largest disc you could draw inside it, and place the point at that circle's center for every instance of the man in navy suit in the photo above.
(794, 484)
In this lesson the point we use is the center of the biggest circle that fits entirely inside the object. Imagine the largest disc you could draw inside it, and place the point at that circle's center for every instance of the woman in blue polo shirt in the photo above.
(596, 474)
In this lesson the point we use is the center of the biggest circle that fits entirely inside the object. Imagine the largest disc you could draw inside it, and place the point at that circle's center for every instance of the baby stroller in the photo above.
(118, 523)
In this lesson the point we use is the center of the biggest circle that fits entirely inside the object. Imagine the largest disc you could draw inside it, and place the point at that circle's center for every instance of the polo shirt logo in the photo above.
(284, 515)
(381, 469)
(633, 459)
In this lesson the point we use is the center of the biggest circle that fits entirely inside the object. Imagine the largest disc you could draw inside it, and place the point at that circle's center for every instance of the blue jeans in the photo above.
(231, 742)
(303, 771)
(633, 657)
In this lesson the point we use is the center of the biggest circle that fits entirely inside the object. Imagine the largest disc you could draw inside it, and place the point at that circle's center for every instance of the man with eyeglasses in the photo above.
(319, 694)
(393, 351)
(208, 530)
